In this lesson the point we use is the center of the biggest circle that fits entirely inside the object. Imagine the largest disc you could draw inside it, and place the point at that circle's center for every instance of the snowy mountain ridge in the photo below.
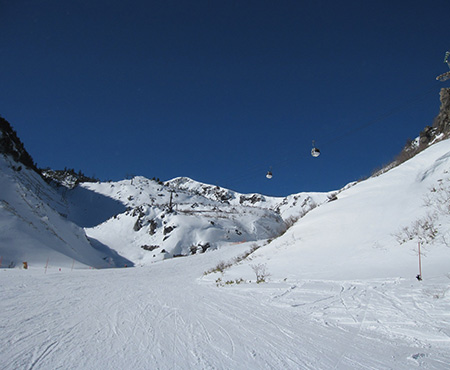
(180, 217)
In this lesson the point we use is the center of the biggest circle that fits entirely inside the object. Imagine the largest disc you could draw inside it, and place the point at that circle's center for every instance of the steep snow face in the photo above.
(32, 231)
(372, 229)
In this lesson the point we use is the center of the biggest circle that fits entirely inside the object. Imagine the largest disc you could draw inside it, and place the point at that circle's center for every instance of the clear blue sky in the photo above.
(220, 91)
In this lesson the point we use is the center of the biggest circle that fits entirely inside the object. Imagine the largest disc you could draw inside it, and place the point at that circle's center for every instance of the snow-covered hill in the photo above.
(32, 231)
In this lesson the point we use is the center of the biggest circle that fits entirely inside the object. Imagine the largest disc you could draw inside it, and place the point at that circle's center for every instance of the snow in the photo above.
(339, 288)
(131, 215)
(166, 317)
(30, 228)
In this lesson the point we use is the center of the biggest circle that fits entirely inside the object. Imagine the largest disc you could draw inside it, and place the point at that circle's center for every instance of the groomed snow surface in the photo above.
(337, 291)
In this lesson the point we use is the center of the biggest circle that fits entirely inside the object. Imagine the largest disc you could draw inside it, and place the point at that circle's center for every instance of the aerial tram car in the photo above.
(315, 152)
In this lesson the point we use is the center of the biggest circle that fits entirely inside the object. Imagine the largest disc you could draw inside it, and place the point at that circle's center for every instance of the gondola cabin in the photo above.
(315, 152)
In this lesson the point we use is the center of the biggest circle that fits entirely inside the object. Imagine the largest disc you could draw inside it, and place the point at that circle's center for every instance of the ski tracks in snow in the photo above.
(47, 348)
(370, 314)
(145, 318)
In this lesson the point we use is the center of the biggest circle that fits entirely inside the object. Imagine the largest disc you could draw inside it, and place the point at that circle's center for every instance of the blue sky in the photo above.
(222, 91)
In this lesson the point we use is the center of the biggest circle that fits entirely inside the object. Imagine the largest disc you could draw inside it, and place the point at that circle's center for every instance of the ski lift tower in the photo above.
(170, 206)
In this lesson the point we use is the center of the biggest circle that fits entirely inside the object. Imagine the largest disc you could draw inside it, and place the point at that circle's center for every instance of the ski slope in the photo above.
(339, 292)
(167, 317)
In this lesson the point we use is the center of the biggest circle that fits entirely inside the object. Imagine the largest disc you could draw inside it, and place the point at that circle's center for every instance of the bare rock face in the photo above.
(10, 144)
(442, 121)
(430, 134)
(441, 124)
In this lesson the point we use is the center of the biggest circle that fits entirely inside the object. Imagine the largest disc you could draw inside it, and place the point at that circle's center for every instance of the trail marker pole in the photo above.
(1, 257)
(419, 277)
(46, 265)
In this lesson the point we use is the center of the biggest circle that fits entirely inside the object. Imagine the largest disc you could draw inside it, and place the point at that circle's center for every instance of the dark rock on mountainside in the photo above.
(442, 121)
(440, 130)
(67, 177)
(11, 145)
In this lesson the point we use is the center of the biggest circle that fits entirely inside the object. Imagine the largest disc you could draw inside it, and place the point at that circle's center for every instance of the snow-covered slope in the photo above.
(147, 221)
(167, 316)
(373, 228)
(32, 231)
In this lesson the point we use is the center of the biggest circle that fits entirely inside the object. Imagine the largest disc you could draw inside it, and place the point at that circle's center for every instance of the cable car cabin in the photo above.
(269, 174)
(315, 152)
